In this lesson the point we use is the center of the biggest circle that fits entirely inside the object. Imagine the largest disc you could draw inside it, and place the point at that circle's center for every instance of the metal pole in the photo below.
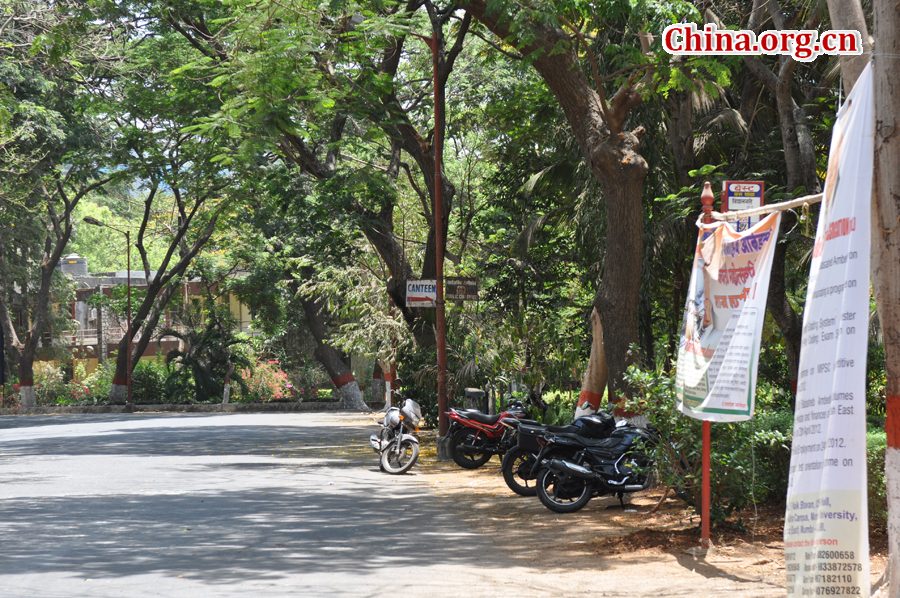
(706, 198)
(441, 324)
(128, 317)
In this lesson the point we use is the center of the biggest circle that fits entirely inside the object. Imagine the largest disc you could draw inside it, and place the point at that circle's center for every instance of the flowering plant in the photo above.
(267, 382)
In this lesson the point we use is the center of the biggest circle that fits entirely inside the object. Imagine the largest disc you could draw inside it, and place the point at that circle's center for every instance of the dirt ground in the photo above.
(603, 531)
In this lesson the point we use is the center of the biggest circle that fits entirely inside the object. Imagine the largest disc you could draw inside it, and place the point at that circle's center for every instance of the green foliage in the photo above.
(148, 381)
(876, 447)
(310, 382)
(876, 380)
(198, 372)
(116, 303)
(749, 460)
(99, 382)
(560, 410)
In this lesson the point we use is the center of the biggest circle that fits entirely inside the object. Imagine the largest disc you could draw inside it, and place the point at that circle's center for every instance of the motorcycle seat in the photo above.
(570, 429)
(481, 418)
(601, 443)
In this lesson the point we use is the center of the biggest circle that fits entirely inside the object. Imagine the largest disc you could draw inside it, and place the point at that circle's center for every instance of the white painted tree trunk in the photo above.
(387, 393)
(226, 394)
(26, 394)
(352, 397)
(118, 394)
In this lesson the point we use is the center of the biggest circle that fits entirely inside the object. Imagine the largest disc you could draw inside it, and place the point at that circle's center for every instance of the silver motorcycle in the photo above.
(397, 442)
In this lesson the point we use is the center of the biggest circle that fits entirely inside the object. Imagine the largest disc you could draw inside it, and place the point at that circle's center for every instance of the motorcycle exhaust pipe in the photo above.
(584, 473)
(573, 469)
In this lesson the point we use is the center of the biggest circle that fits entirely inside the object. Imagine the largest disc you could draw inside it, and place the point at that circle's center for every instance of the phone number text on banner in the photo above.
(826, 540)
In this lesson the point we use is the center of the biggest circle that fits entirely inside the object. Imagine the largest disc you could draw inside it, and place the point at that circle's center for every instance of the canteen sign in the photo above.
(743, 195)
(421, 293)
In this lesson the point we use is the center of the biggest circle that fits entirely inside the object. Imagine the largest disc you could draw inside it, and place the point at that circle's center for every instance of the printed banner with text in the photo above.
(718, 354)
(826, 540)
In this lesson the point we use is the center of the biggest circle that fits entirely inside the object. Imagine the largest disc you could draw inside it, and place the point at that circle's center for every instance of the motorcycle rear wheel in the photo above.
(517, 466)
(562, 493)
(397, 462)
(469, 460)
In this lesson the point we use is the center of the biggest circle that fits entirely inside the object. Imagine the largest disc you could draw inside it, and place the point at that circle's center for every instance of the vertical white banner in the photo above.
(718, 354)
(826, 540)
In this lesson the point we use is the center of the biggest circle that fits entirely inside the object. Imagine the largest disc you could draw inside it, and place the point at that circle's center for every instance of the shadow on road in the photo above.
(326, 508)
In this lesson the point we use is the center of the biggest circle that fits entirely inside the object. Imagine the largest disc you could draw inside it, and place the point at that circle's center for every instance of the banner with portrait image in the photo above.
(723, 319)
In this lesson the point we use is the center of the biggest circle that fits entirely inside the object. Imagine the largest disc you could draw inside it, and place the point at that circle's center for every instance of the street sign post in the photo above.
(460, 288)
(421, 293)
(743, 195)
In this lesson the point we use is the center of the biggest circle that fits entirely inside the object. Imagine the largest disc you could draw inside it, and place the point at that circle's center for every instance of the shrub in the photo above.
(310, 382)
(749, 460)
(148, 382)
(267, 382)
(99, 383)
(876, 446)
(49, 387)
(560, 409)
(9, 393)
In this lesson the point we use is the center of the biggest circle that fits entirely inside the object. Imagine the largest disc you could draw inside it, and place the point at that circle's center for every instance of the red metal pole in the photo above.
(128, 316)
(441, 324)
(706, 198)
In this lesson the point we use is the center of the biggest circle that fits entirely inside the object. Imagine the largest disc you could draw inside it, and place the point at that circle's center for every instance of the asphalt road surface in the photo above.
(284, 504)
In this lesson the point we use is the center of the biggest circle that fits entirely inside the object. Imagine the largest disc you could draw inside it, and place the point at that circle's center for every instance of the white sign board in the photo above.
(743, 195)
(826, 539)
(421, 293)
(718, 353)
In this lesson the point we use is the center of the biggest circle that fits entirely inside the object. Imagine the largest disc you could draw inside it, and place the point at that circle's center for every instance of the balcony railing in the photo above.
(89, 336)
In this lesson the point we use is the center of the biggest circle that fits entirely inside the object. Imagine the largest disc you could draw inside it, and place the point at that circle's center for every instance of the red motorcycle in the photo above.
(475, 436)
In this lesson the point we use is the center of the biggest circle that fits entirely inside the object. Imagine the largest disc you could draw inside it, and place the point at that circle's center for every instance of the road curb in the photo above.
(197, 408)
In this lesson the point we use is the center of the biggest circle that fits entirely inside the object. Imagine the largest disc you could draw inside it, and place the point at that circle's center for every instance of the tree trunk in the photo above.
(159, 291)
(788, 321)
(621, 172)
(848, 15)
(680, 129)
(597, 374)
(886, 251)
(147, 317)
(613, 156)
(330, 359)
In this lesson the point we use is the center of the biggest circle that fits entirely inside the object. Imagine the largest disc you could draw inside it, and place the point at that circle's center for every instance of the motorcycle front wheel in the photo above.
(517, 471)
(562, 493)
(400, 461)
(465, 457)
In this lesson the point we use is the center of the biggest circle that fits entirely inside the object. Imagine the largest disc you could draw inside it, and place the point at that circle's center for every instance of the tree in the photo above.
(886, 252)
(552, 44)
(52, 144)
(184, 189)
(288, 229)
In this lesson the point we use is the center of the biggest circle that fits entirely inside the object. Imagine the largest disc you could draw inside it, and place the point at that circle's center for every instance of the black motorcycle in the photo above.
(581, 468)
(522, 463)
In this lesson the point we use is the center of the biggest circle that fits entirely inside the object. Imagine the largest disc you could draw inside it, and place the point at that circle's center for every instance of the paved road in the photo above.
(224, 505)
